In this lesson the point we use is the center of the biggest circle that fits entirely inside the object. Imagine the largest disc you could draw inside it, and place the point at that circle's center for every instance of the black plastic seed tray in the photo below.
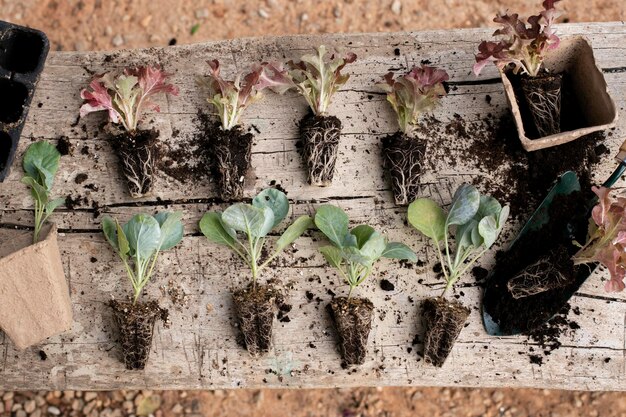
(23, 53)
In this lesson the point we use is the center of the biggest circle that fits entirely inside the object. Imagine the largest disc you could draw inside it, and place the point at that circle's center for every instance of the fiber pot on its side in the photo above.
(136, 325)
(35, 297)
(255, 308)
(138, 152)
(404, 158)
(443, 322)
(229, 153)
(320, 135)
(353, 321)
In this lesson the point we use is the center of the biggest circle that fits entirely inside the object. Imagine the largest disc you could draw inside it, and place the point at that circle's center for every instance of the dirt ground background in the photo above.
(115, 24)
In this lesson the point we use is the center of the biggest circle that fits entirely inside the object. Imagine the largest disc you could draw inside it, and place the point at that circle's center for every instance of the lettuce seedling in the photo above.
(606, 241)
(231, 98)
(354, 252)
(478, 219)
(41, 163)
(139, 242)
(412, 94)
(126, 95)
(318, 77)
(522, 45)
(268, 209)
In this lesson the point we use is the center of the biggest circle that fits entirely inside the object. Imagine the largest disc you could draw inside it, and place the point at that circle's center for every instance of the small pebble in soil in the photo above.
(386, 285)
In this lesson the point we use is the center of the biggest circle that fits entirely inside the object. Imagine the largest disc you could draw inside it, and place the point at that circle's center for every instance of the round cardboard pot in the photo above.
(35, 297)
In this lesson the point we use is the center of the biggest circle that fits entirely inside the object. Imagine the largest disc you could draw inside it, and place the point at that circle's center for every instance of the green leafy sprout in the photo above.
(354, 252)
(41, 163)
(268, 209)
(318, 77)
(479, 219)
(139, 242)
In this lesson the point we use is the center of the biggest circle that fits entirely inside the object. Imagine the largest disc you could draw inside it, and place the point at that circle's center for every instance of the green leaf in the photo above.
(122, 241)
(194, 29)
(427, 217)
(110, 231)
(39, 193)
(362, 234)
(503, 216)
(41, 162)
(143, 234)
(171, 229)
(396, 250)
(354, 255)
(488, 229)
(293, 232)
(488, 206)
(275, 200)
(53, 205)
(333, 222)
(268, 224)
(463, 235)
(246, 218)
(374, 247)
(212, 227)
(464, 205)
(332, 254)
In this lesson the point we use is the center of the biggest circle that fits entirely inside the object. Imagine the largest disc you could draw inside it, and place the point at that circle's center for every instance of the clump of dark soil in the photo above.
(138, 152)
(543, 98)
(136, 325)
(404, 160)
(491, 145)
(64, 146)
(187, 161)
(353, 321)
(535, 278)
(255, 308)
(443, 322)
(229, 153)
(320, 136)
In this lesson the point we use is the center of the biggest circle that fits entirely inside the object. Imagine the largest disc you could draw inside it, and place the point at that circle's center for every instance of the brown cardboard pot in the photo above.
(586, 90)
(34, 297)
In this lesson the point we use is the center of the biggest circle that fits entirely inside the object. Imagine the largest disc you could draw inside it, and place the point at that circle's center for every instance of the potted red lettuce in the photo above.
(606, 242)
(317, 78)
(410, 96)
(478, 221)
(35, 296)
(255, 303)
(556, 91)
(353, 252)
(138, 244)
(125, 96)
(229, 146)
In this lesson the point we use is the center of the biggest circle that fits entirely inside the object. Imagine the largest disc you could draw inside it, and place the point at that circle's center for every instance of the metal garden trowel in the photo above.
(566, 184)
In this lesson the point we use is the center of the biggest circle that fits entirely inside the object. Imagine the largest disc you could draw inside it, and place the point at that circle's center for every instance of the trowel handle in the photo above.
(619, 171)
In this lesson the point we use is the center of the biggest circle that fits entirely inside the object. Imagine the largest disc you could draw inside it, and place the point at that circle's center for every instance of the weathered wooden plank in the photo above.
(199, 350)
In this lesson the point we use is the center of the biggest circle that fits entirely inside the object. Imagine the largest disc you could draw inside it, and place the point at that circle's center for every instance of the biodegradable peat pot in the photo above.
(35, 300)
(586, 105)
(138, 152)
(255, 309)
(135, 324)
(229, 152)
(443, 322)
(404, 159)
(353, 321)
(320, 136)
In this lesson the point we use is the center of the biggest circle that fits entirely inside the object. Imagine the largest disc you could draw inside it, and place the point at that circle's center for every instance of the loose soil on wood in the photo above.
(404, 159)
(542, 95)
(136, 325)
(353, 321)
(255, 310)
(138, 153)
(320, 136)
(443, 322)
(532, 281)
(229, 154)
